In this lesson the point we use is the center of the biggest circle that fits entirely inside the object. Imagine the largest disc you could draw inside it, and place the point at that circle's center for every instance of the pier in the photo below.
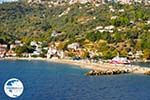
(109, 69)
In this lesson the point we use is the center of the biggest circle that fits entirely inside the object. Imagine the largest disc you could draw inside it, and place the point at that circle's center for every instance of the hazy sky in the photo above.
(6, 0)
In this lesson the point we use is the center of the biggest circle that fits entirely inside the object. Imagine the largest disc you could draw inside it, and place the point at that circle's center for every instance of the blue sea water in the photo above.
(50, 81)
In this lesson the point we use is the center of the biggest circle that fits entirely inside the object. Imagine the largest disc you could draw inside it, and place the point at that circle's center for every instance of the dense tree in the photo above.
(20, 21)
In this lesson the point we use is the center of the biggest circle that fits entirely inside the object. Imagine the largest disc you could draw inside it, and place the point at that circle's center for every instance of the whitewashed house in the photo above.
(51, 51)
(3, 48)
(12, 46)
(138, 54)
(114, 17)
(33, 43)
(74, 46)
(121, 10)
(99, 27)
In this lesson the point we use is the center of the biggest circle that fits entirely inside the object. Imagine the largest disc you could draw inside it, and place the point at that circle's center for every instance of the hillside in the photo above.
(107, 29)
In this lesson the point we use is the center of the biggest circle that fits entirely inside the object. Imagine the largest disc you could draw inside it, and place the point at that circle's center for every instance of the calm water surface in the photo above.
(51, 81)
(142, 64)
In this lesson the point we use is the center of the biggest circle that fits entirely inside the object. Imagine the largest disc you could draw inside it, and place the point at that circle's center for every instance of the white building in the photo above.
(51, 51)
(124, 1)
(33, 43)
(74, 46)
(54, 52)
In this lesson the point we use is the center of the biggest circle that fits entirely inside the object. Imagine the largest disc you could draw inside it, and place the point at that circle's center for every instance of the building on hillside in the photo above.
(74, 46)
(18, 43)
(89, 1)
(119, 60)
(37, 47)
(3, 45)
(33, 43)
(3, 50)
(28, 55)
(53, 52)
(56, 33)
(138, 54)
(11, 53)
(12, 46)
(121, 10)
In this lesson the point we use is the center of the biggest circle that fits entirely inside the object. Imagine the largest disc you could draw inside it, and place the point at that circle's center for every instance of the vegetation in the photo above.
(20, 21)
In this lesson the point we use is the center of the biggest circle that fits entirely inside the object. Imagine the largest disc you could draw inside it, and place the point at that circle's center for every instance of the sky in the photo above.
(7, 1)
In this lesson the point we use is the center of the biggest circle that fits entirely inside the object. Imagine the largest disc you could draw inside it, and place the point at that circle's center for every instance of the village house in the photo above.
(148, 22)
(12, 46)
(121, 10)
(119, 29)
(138, 54)
(102, 30)
(109, 28)
(11, 53)
(33, 43)
(138, 1)
(3, 49)
(28, 55)
(93, 54)
(18, 43)
(114, 17)
(111, 9)
(80, 52)
(65, 12)
(38, 47)
(2, 52)
(131, 55)
(53, 52)
(74, 46)
(61, 54)
(120, 60)
(132, 22)
(99, 27)
(124, 1)
(37, 52)
(3, 45)
(55, 33)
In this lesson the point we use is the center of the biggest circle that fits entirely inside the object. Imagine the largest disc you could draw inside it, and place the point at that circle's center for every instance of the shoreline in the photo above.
(60, 61)
(135, 69)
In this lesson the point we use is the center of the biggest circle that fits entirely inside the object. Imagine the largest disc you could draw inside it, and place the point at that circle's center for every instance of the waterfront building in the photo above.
(74, 46)
(120, 60)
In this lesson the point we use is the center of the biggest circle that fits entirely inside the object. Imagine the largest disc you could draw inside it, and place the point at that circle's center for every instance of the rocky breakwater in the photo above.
(111, 70)
(141, 70)
(147, 73)
(108, 72)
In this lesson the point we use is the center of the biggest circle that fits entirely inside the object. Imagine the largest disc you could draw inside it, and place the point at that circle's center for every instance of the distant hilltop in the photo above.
(96, 2)
(51, 3)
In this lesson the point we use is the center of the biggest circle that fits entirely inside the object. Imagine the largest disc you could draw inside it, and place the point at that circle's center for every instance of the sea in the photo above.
(44, 80)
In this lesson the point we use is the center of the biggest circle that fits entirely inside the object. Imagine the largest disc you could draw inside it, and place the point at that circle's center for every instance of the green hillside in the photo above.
(87, 24)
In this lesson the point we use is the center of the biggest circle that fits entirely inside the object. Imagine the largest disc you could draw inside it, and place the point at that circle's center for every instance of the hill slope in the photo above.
(124, 28)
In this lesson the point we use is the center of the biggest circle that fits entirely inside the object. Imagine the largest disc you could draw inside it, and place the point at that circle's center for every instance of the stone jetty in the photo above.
(147, 73)
(115, 70)
(108, 72)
